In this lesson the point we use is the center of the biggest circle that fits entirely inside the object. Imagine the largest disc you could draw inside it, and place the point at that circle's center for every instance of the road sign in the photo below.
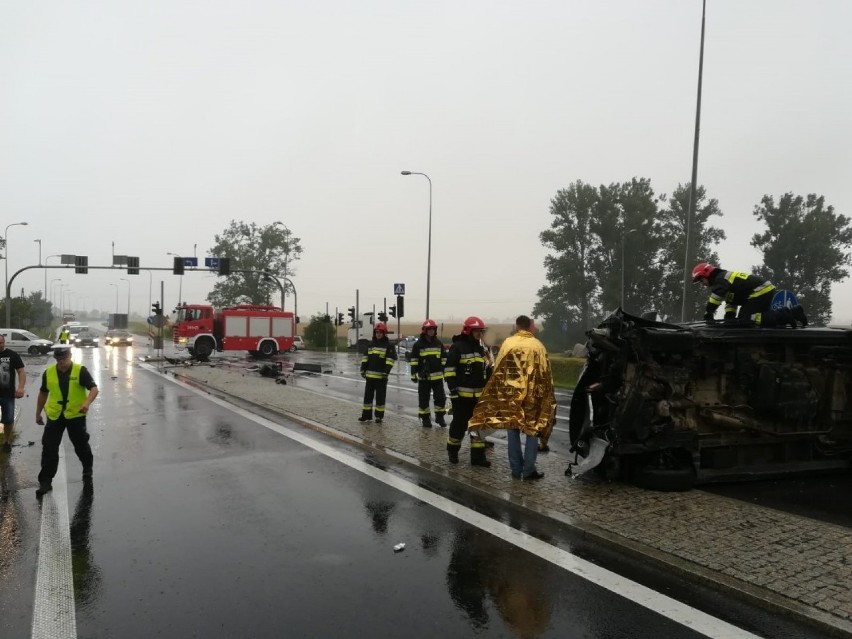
(190, 261)
(783, 298)
(211, 262)
(157, 320)
(399, 289)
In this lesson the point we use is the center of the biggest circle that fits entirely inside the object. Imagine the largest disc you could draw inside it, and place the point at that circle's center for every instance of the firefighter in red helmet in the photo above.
(376, 365)
(427, 371)
(465, 375)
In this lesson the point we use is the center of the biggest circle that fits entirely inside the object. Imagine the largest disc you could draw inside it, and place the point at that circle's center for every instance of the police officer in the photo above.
(67, 391)
(465, 375)
(427, 371)
(376, 365)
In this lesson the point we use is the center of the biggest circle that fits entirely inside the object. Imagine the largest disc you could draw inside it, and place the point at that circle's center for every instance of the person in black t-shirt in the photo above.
(11, 367)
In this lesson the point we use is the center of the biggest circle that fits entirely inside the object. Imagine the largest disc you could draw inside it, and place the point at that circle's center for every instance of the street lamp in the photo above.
(180, 284)
(624, 235)
(124, 279)
(429, 249)
(8, 301)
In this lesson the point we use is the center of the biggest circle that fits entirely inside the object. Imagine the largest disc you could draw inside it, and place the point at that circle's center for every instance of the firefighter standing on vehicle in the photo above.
(376, 365)
(465, 375)
(427, 371)
(751, 293)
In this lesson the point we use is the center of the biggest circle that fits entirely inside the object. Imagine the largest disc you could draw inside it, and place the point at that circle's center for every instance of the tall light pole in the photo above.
(124, 279)
(624, 235)
(44, 290)
(429, 249)
(55, 279)
(8, 301)
(689, 258)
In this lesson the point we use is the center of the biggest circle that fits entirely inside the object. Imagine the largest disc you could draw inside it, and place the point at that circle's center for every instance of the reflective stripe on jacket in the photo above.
(465, 370)
(378, 360)
(427, 359)
(77, 394)
(734, 288)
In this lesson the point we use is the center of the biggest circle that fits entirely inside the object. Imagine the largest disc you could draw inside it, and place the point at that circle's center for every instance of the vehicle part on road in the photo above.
(672, 404)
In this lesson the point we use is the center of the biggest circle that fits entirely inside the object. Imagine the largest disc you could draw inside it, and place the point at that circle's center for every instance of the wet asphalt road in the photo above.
(204, 522)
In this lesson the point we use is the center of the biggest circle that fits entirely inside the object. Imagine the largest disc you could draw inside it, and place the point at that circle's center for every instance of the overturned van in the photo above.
(669, 405)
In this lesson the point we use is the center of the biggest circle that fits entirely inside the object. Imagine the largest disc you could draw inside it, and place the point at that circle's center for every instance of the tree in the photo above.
(31, 312)
(669, 295)
(272, 248)
(320, 332)
(804, 249)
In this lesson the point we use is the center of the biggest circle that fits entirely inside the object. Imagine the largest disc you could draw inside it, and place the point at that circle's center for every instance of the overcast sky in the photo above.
(154, 124)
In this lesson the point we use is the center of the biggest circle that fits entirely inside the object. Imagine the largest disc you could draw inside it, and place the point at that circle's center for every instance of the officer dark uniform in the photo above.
(752, 294)
(465, 375)
(376, 365)
(427, 371)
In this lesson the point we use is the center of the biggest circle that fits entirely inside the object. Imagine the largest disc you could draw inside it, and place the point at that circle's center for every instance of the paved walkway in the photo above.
(796, 565)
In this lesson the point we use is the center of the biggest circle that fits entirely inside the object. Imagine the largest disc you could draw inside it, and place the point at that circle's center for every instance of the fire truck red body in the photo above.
(260, 330)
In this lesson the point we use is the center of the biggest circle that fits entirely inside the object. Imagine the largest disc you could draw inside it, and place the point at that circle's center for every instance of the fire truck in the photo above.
(260, 330)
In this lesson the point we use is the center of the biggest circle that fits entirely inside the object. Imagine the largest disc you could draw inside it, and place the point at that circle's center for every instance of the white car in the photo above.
(22, 341)
(298, 344)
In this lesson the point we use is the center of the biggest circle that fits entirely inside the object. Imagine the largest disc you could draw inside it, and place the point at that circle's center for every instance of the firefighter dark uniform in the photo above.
(465, 375)
(427, 371)
(376, 365)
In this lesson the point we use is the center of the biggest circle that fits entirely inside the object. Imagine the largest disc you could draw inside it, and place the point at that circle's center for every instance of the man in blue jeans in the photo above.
(13, 378)
(518, 398)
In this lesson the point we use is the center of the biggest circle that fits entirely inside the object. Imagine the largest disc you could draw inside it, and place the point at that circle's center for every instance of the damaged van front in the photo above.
(669, 405)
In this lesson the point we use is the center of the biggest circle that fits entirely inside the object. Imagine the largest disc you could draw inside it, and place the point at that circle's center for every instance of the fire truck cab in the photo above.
(261, 330)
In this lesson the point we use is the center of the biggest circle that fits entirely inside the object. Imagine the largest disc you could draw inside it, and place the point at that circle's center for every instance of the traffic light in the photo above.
(225, 266)
(340, 319)
(392, 311)
(155, 309)
(177, 267)
(81, 263)
(352, 313)
(400, 305)
(383, 317)
(132, 265)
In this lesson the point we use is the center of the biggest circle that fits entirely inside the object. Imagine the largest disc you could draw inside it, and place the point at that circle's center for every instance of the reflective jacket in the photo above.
(378, 360)
(734, 288)
(465, 369)
(427, 359)
(77, 394)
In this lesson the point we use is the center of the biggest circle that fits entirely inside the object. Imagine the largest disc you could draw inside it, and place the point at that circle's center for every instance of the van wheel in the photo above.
(267, 349)
(203, 350)
(33, 350)
(669, 470)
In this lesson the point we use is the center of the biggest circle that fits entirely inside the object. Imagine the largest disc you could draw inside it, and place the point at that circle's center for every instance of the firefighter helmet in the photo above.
(428, 324)
(472, 323)
(703, 271)
(381, 326)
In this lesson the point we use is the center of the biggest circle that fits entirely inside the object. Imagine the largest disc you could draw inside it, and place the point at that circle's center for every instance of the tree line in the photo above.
(623, 240)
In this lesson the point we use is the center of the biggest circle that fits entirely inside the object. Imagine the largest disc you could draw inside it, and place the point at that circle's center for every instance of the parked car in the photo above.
(22, 341)
(84, 338)
(298, 344)
(118, 337)
(668, 405)
(404, 346)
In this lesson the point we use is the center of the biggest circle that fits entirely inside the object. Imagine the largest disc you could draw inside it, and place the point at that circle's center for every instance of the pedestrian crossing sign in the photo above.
(399, 289)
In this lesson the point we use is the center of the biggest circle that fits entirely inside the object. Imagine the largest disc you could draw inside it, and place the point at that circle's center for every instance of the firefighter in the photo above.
(427, 371)
(376, 365)
(751, 293)
(465, 375)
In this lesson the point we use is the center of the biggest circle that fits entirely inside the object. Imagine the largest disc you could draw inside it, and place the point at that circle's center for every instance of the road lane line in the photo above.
(694, 619)
(54, 615)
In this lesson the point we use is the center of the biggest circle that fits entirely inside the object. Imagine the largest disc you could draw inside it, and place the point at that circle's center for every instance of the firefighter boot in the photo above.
(453, 452)
(799, 315)
(439, 419)
(425, 421)
(477, 457)
(366, 414)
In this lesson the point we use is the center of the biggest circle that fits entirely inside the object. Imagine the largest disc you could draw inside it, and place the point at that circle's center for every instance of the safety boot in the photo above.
(477, 457)
(453, 452)
(366, 415)
(799, 315)
(439, 419)
(425, 421)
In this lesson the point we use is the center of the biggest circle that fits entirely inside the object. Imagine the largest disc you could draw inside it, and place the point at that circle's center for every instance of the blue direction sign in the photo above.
(399, 289)
(783, 298)
(190, 261)
(211, 262)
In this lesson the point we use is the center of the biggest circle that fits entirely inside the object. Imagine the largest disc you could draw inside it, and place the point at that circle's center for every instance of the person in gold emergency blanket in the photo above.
(519, 398)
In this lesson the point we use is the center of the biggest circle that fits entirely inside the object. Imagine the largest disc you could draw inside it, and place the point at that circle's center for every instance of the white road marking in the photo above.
(692, 618)
(54, 615)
